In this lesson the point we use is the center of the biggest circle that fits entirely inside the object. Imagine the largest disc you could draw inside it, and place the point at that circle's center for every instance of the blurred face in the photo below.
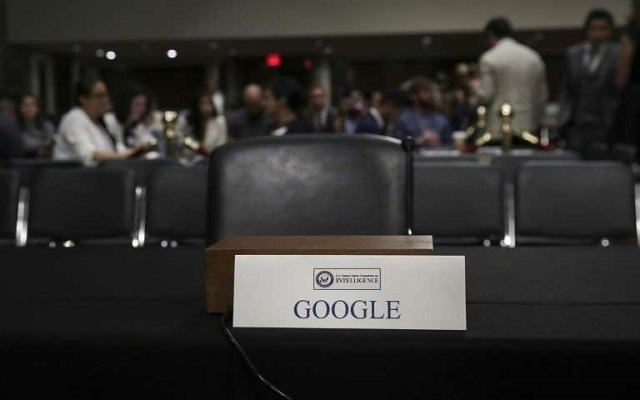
(205, 106)
(138, 107)
(8, 106)
(253, 100)
(492, 40)
(96, 103)
(376, 100)
(29, 108)
(388, 110)
(424, 98)
(317, 99)
(271, 104)
(599, 31)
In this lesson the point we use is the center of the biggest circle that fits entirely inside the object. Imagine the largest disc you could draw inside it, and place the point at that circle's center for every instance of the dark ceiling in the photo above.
(419, 45)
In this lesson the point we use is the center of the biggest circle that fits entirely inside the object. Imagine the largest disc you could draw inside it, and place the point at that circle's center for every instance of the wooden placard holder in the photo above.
(221, 256)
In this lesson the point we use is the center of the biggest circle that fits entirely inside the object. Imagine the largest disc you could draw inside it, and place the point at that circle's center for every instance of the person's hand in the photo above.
(143, 149)
(429, 138)
(127, 153)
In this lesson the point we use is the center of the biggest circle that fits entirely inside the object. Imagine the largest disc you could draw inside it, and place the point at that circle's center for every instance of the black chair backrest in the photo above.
(176, 203)
(29, 168)
(9, 194)
(458, 203)
(511, 163)
(79, 204)
(316, 184)
(142, 169)
(427, 155)
(574, 201)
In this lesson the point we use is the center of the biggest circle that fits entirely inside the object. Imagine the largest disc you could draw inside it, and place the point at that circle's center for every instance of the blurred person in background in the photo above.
(511, 73)
(376, 99)
(372, 122)
(427, 126)
(217, 97)
(8, 104)
(83, 134)
(37, 132)
(133, 118)
(392, 103)
(627, 126)
(458, 99)
(11, 143)
(252, 120)
(352, 109)
(319, 113)
(203, 123)
(283, 101)
(590, 96)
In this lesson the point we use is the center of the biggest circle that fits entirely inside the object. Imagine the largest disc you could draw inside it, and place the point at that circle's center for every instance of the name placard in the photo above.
(350, 292)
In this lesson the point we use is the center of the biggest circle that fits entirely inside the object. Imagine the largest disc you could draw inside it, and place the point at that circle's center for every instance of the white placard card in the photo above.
(350, 292)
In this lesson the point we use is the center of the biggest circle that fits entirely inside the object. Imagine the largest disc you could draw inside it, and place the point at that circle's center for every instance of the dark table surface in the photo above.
(101, 322)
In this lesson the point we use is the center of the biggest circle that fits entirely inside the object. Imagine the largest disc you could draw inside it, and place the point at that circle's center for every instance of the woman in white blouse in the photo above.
(204, 124)
(83, 135)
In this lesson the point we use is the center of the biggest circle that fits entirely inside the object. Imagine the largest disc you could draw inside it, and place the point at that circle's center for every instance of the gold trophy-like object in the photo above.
(169, 119)
(506, 115)
(508, 133)
(478, 135)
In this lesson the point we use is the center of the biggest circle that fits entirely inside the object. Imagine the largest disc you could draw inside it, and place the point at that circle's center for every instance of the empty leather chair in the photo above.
(9, 193)
(574, 202)
(141, 168)
(176, 204)
(458, 203)
(30, 167)
(317, 184)
(511, 163)
(82, 205)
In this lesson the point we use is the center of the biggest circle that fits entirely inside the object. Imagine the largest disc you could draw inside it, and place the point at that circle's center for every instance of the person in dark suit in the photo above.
(372, 122)
(320, 114)
(626, 132)
(11, 143)
(589, 98)
(283, 99)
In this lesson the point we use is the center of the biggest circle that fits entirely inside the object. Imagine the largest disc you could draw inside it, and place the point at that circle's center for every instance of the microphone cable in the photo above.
(225, 322)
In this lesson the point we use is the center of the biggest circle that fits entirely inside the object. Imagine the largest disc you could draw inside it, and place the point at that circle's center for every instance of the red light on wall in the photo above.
(273, 60)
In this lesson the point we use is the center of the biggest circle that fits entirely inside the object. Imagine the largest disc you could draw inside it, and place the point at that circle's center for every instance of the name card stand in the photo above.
(221, 256)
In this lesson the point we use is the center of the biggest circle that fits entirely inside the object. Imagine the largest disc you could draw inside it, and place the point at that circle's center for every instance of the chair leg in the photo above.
(22, 225)
(510, 216)
(638, 212)
(139, 234)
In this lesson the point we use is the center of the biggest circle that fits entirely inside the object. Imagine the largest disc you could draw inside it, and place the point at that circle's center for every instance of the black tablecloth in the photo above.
(106, 322)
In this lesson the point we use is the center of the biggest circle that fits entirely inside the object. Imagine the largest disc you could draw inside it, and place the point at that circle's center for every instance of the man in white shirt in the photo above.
(511, 73)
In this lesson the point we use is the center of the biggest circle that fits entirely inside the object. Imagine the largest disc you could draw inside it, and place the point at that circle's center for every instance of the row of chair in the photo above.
(549, 202)
(321, 185)
(104, 205)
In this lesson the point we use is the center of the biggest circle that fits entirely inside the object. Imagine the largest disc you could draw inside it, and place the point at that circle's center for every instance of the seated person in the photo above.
(423, 122)
(11, 143)
(320, 114)
(372, 122)
(283, 101)
(83, 135)
(203, 123)
(251, 121)
(133, 118)
(37, 132)
(392, 103)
